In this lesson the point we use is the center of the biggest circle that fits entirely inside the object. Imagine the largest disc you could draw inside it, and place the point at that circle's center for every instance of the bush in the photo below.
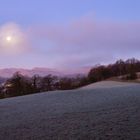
(131, 76)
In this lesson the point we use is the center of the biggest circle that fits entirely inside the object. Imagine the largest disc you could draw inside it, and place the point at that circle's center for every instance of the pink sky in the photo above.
(82, 42)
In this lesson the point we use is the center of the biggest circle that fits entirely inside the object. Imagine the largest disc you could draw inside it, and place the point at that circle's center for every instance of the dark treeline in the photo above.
(128, 68)
(19, 85)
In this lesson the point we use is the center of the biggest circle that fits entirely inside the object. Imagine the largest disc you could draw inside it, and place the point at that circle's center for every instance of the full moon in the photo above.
(13, 40)
(8, 38)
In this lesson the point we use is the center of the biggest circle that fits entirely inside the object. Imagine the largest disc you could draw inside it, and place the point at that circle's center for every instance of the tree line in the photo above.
(128, 68)
(19, 85)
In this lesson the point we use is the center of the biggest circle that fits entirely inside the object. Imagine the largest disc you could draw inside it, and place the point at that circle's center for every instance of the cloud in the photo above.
(87, 41)
(81, 42)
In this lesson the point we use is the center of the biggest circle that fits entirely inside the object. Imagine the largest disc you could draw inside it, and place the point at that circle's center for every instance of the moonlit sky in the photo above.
(66, 34)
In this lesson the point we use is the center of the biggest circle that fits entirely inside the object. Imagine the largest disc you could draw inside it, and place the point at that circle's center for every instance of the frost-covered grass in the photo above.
(105, 110)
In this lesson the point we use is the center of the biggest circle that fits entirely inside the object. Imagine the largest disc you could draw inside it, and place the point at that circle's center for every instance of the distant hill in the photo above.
(8, 72)
(2, 80)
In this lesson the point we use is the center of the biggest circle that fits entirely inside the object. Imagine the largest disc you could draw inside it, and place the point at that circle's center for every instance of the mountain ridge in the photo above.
(42, 71)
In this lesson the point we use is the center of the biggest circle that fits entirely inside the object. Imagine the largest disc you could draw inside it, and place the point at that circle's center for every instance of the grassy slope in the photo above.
(92, 113)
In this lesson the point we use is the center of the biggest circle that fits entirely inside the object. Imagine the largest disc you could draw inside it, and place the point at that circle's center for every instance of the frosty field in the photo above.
(102, 111)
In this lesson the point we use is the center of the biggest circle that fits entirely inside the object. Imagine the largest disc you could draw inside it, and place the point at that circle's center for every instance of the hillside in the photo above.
(107, 84)
(88, 113)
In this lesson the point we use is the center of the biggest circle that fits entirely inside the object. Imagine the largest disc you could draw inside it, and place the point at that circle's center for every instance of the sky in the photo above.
(65, 34)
